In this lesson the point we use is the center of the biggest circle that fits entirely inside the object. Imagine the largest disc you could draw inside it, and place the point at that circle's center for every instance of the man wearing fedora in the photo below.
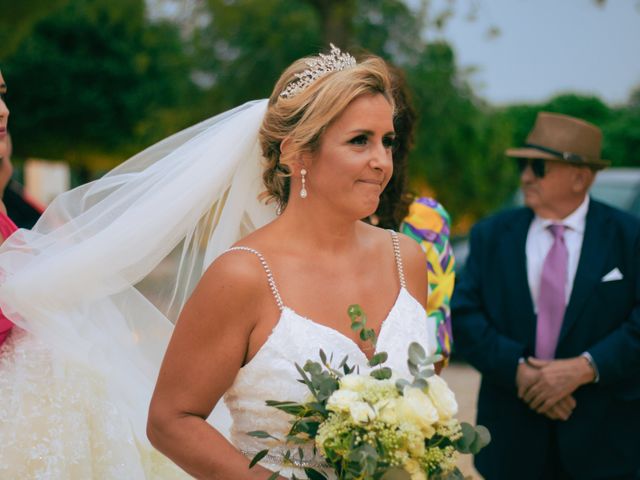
(548, 310)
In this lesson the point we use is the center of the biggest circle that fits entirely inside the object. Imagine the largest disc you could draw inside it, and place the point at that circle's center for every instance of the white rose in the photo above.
(442, 397)
(387, 411)
(341, 400)
(354, 382)
(416, 407)
(362, 412)
(414, 469)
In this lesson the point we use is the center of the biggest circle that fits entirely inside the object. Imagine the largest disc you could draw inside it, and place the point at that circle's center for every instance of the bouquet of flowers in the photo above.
(377, 426)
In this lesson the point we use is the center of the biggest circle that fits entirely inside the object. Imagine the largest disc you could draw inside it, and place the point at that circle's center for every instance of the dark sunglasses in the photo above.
(538, 166)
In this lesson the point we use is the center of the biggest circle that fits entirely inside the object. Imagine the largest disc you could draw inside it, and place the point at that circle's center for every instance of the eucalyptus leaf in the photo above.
(326, 387)
(364, 334)
(401, 384)
(258, 456)
(292, 408)
(469, 435)
(355, 326)
(378, 358)
(343, 362)
(432, 359)
(308, 426)
(413, 369)
(483, 437)
(348, 370)
(382, 373)
(305, 379)
(354, 310)
(261, 434)
(314, 474)
(323, 356)
(420, 383)
(417, 354)
(314, 368)
(426, 373)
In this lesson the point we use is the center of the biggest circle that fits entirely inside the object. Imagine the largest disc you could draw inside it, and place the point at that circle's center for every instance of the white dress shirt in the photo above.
(540, 240)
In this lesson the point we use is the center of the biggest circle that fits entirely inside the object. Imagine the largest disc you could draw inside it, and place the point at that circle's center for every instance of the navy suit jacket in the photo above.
(494, 325)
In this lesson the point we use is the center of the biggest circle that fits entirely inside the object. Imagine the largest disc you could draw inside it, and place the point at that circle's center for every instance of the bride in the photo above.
(282, 292)
(96, 287)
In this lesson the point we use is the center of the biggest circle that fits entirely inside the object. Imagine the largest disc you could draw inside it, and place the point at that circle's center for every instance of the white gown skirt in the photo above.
(57, 421)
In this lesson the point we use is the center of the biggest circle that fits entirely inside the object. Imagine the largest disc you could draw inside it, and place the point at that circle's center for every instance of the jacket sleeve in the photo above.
(495, 355)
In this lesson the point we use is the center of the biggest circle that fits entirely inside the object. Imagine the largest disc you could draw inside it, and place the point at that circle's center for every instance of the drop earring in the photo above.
(303, 190)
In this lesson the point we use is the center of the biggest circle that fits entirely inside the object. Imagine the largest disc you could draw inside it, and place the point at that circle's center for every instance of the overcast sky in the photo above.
(550, 46)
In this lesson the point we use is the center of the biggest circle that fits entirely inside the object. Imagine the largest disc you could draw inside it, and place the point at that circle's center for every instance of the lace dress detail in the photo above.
(271, 373)
(57, 421)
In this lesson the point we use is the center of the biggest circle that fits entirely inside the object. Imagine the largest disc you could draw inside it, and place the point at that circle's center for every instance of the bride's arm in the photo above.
(206, 351)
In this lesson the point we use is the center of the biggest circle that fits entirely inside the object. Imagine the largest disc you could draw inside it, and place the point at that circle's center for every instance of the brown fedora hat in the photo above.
(562, 138)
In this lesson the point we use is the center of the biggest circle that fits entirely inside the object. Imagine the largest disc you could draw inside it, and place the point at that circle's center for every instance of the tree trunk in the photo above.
(336, 17)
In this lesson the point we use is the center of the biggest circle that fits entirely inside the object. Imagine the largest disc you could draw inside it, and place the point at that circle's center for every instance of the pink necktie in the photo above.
(552, 297)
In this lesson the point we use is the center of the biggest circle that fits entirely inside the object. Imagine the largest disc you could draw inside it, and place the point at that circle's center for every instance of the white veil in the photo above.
(104, 273)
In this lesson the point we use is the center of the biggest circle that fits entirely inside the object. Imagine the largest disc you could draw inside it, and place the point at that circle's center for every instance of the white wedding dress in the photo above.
(271, 373)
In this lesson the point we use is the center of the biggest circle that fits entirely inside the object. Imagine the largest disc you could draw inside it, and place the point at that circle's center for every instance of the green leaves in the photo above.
(417, 354)
(382, 373)
(258, 456)
(359, 323)
(473, 439)
(261, 434)
(292, 408)
(378, 359)
(313, 474)
(420, 366)
(362, 461)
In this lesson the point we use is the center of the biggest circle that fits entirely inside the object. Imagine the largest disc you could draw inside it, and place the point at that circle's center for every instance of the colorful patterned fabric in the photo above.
(428, 224)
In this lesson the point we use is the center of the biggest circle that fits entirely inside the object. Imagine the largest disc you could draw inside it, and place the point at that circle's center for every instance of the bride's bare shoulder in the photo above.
(239, 270)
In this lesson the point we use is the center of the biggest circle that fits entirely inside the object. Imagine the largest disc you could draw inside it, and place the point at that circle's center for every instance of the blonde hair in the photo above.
(303, 118)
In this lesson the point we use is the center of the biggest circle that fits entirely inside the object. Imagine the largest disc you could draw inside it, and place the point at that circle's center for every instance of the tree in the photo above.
(248, 43)
(460, 140)
(622, 134)
(86, 82)
(18, 19)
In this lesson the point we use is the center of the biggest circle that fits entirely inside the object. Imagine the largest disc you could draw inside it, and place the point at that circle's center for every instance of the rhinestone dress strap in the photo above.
(396, 251)
(265, 266)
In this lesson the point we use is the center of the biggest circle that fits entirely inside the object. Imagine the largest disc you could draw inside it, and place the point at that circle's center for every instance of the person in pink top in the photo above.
(7, 227)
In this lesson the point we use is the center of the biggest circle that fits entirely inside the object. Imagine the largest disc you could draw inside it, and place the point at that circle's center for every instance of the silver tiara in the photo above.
(335, 61)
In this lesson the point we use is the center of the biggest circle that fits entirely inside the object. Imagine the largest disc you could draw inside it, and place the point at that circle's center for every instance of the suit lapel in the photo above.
(596, 241)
